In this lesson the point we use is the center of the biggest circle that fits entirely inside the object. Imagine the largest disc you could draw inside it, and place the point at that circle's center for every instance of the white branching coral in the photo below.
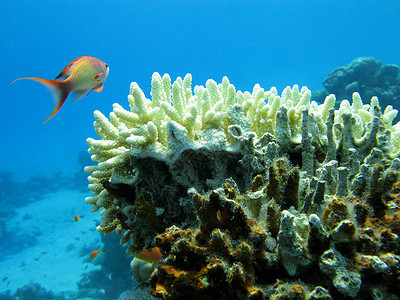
(176, 118)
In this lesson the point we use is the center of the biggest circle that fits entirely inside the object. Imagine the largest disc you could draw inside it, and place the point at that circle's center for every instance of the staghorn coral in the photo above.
(252, 195)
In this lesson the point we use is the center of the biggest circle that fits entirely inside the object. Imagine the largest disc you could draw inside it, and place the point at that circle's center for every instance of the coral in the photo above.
(368, 77)
(107, 281)
(35, 291)
(218, 261)
(141, 270)
(292, 242)
(139, 292)
(252, 195)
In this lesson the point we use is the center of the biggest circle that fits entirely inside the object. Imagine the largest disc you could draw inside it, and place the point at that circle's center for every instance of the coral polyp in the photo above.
(252, 195)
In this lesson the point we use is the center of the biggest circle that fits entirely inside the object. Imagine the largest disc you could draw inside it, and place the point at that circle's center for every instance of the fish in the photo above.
(101, 292)
(94, 253)
(76, 218)
(152, 256)
(81, 75)
(222, 216)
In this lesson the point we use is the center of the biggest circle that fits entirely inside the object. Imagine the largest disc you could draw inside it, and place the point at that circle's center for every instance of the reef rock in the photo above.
(252, 195)
(368, 77)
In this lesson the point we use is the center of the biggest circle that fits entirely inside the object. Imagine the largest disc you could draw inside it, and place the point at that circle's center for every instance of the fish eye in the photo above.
(106, 65)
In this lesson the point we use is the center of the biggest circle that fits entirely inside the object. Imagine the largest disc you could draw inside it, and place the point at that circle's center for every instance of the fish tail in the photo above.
(59, 91)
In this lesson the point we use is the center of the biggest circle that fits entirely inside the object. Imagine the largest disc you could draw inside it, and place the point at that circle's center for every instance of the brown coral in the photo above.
(229, 256)
(335, 212)
(216, 262)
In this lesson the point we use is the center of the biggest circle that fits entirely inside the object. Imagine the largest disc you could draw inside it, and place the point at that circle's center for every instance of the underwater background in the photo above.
(42, 184)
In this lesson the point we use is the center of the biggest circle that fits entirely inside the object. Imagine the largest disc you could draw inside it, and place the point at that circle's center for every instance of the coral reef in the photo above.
(234, 256)
(252, 195)
(139, 292)
(35, 291)
(113, 276)
(141, 270)
(368, 77)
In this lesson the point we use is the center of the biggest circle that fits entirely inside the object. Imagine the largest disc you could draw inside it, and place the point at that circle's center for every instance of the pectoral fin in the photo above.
(98, 88)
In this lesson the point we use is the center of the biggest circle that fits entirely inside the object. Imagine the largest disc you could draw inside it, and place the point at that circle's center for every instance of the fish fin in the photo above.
(57, 106)
(58, 90)
(64, 73)
(77, 95)
(98, 88)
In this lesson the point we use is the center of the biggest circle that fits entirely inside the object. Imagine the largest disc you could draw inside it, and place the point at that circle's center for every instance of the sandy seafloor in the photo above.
(59, 256)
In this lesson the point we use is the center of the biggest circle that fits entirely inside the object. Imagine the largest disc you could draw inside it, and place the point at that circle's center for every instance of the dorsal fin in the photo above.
(64, 73)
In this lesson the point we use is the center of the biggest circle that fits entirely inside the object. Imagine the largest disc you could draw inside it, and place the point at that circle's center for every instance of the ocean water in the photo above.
(270, 42)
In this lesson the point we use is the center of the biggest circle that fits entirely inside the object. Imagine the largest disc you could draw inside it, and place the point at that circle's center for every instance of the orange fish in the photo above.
(222, 216)
(76, 218)
(94, 253)
(152, 256)
(82, 74)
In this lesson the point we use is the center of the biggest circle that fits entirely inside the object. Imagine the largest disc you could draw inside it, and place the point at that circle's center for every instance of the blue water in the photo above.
(273, 43)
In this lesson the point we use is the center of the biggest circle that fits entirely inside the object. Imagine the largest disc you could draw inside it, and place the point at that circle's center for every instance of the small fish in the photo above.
(76, 218)
(101, 291)
(152, 256)
(94, 253)
(222, 216)
(82, 74)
